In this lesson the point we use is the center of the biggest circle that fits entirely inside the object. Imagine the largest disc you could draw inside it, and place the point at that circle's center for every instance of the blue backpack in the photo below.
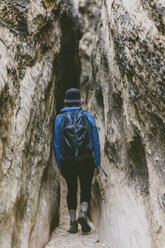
(76, 138)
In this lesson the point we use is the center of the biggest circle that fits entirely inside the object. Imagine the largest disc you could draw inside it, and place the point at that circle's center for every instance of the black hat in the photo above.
(73, 96)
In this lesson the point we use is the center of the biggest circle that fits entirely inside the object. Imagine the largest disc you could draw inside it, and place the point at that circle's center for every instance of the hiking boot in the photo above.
(73, 226)
(82, 219)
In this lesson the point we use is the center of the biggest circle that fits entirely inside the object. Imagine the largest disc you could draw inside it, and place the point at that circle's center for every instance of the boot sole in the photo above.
(73, 231)
(84, 225)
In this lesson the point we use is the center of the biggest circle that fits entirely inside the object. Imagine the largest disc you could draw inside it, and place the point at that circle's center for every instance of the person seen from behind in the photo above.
(77, 150)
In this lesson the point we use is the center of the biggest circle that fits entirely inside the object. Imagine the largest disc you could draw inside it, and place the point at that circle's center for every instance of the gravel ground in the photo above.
(61, 238)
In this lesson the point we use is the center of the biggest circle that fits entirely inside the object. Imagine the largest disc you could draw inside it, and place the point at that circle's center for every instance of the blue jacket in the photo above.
(57, 136)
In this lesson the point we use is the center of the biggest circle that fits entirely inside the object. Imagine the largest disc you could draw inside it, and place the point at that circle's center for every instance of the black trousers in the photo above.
(71, 170)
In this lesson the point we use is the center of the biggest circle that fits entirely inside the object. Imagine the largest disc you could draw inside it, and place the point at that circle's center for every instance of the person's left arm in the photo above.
(57, 140)
(96, 143)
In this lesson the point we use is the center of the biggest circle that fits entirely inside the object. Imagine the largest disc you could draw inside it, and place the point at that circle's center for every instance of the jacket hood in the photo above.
(70, 109)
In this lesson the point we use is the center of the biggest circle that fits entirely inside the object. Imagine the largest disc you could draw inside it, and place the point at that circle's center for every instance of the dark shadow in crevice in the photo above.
(67, 66)
(100, 100)
(138, 170)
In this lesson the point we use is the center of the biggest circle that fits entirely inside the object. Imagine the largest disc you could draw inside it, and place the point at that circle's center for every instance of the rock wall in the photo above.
(127, 97)
(33, 40)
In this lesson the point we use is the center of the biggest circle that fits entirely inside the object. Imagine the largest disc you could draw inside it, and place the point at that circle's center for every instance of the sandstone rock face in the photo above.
(33, 43)
(127, 98)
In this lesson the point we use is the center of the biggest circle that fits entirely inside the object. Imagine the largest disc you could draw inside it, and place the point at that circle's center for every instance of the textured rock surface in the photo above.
(33, 43)
(128, 99)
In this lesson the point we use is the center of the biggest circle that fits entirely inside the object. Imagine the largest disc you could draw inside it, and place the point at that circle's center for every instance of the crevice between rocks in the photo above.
(66, 65)
(67, 68)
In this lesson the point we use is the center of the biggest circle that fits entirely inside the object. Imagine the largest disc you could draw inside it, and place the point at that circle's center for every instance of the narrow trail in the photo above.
(61, 238)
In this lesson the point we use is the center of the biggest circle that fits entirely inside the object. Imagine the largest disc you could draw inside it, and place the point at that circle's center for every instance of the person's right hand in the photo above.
(61, 173)
(97, 171)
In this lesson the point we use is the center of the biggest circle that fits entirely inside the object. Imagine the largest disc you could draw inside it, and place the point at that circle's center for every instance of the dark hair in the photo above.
(72, 104)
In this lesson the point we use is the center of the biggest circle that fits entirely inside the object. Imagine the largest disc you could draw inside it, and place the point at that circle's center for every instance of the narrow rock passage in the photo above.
(62, 238)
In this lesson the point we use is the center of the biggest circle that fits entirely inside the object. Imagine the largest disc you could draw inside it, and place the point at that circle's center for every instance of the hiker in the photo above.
(77, 150)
